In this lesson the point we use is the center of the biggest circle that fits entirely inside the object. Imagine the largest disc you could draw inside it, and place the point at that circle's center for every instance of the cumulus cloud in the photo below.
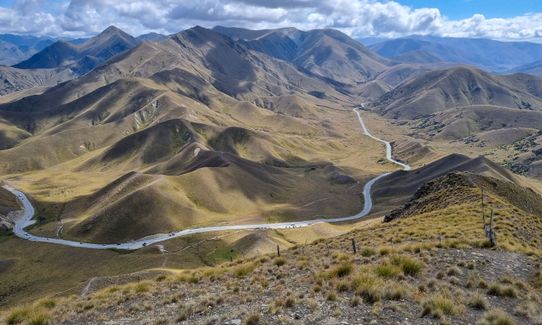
(357, 18)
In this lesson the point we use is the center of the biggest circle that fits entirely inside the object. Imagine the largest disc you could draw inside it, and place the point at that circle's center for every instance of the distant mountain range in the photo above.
(83, 57)
(15, 48)
(484, 53)
(326, 53)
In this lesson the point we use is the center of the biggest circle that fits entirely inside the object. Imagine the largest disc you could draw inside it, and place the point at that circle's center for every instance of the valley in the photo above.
(173, 179)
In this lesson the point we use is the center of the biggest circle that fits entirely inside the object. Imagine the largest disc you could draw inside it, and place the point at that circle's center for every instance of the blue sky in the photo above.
(497, 19)
(460, 9)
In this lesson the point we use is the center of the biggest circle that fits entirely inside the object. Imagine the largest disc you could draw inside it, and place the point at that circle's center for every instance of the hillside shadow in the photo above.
(233, 74)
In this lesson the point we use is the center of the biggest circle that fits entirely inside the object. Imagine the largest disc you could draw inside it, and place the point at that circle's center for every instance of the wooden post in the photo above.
(354, 249)
(492, 237)
(278, 250)
(483, 208)
(231, 255)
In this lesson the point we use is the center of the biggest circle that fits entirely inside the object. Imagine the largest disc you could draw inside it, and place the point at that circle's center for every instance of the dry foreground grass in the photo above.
(429, 268)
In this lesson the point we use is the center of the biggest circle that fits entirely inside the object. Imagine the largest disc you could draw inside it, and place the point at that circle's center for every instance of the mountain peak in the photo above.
(112, 30)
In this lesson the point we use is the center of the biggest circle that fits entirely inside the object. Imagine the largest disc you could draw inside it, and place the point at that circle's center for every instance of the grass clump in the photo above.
(385, 250)
(478, 301)
(453, 271)
(355, 301)
(496, 317)
(343, 286)
(142, 287)
(252, 319)
(387, 270)
(28, 315)
(408, 265)
(342, 270)
(367, 252)
(438, 306)
(368, 287)
(279, 261)
(243, 270)
(502, 291)
(395, 291)
(331, 296)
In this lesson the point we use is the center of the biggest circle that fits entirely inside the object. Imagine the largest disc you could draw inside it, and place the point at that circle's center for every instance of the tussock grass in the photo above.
(279, 261)
(342, 270)
(367, 251)
(496, 317)
(244, 269)
(499, 290)
(31, 315)
(439, 305)
(142, 287)
(408, 265)
(395, 291)
(252, 319)
(478, 301)
(368, 287)
(387, 270)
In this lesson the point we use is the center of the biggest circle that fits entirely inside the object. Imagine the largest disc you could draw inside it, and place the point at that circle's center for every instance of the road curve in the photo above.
(25, 219)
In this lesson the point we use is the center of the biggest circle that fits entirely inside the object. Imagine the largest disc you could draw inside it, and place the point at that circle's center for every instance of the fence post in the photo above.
(483, 208)
(354, 249)
(492, 237)
(278, 250)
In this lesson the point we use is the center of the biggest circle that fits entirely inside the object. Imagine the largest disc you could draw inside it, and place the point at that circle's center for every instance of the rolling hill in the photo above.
(440, 90)
(533, 68)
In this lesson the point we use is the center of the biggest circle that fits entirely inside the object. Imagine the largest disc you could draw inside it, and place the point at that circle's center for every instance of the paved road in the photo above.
(26, 220)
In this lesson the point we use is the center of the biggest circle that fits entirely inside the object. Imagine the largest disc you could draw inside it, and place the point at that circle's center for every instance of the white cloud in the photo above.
(355, 17)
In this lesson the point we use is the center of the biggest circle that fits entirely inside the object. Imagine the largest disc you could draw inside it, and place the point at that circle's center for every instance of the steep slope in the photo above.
(456, 87)
(465, 187)
(485, 53)
(321, 52)
(81, 58)
(397, 188)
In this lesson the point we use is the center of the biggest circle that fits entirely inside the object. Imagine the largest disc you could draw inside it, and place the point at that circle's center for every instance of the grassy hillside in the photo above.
(8, 202)
(428, 266)
(439, 90)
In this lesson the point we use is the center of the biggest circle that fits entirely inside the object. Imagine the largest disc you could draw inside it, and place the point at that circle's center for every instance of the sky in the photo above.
(497, 19)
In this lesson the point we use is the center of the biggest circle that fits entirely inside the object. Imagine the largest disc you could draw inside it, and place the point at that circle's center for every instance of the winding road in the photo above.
(25, 219)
